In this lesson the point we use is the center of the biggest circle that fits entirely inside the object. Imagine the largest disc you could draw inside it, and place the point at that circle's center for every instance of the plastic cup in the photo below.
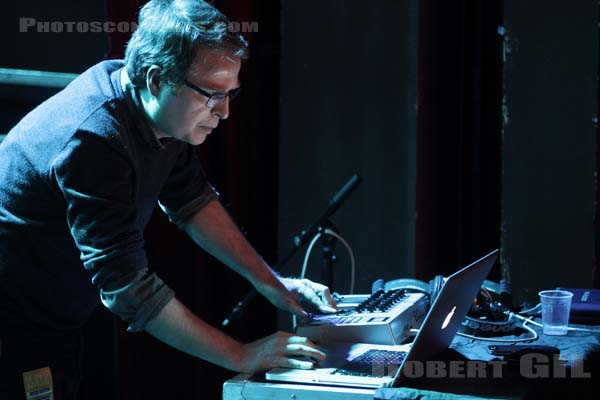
(556, 306)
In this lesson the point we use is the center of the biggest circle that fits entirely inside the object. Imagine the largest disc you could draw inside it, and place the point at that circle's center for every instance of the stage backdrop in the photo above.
(348, 105)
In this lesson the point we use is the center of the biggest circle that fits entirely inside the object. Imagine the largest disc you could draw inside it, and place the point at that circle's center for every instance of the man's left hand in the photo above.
(314, 293)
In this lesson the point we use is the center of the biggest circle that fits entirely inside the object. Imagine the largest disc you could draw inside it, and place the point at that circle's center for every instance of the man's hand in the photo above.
(285, 293)
(314, 293)
(278, 350)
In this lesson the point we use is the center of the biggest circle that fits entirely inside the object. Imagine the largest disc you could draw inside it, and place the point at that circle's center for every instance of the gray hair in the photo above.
(170, 31)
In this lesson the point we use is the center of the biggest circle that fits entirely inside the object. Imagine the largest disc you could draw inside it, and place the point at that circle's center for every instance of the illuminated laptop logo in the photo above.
(448, 318)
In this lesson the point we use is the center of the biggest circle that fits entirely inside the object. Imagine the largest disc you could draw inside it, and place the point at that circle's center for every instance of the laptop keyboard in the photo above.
(377, 363)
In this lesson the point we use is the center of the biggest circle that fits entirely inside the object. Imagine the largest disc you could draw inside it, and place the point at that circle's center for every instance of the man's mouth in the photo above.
(206, 129)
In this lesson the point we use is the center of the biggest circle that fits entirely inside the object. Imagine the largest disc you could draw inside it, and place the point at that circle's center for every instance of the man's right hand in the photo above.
(278, 350)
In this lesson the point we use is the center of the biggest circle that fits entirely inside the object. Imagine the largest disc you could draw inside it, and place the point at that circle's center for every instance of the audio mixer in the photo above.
(384, 317)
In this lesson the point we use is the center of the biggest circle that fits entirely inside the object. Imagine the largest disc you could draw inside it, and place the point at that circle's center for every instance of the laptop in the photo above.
(372, 366)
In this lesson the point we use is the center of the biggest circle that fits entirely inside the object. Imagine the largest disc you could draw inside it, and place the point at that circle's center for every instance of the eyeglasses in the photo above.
(213, 98)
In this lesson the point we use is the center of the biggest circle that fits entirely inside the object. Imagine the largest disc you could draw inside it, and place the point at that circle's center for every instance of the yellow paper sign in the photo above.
(38, 384)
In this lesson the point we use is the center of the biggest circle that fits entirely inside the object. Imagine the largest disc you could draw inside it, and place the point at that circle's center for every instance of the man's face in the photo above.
(182, 113)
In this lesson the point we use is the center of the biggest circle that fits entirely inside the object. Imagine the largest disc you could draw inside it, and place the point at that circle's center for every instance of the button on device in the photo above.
(378, 319)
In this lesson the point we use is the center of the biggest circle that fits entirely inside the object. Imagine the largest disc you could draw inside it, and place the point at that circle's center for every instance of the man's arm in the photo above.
(177, 326)
(212, 229)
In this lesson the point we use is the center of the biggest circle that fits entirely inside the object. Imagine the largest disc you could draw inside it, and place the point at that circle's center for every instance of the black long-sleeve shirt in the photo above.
(79, 178)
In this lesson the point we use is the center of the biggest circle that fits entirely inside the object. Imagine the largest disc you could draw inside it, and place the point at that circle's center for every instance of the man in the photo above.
(79, 177)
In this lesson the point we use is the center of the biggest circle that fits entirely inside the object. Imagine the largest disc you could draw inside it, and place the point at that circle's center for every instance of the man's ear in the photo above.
(153, 83)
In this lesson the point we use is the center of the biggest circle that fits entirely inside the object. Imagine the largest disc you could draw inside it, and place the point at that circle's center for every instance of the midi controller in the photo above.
(384, 317)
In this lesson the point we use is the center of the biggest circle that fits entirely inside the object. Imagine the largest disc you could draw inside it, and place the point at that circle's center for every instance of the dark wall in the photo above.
(49, 48)
(459, 134)
(550, 76)
(30, 47)
(348, 104)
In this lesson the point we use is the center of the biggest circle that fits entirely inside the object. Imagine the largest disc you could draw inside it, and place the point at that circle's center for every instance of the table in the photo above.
(522, 381)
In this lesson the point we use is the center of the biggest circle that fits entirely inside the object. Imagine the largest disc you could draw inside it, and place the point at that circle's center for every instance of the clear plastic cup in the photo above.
(556, 306)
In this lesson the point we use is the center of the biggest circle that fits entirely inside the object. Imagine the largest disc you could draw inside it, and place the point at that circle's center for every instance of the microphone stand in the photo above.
(329, 258)
(301, 239)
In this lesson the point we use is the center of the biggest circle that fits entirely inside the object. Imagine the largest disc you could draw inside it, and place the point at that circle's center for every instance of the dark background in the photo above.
(472, 123)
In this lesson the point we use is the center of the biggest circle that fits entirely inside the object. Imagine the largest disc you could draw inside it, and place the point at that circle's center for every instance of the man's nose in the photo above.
(222, 109)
